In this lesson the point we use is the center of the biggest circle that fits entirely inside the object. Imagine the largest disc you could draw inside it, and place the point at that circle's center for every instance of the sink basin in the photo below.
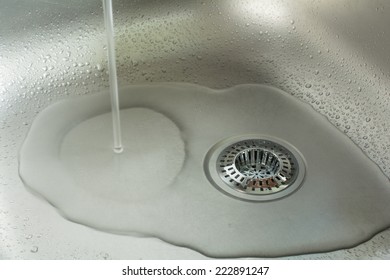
(331, 55)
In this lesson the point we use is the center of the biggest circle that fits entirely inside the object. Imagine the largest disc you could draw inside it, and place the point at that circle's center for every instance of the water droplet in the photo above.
(99, 67)
(34, 249)
(359, 89)
(308, 85)
(29, 236)
(368, 119)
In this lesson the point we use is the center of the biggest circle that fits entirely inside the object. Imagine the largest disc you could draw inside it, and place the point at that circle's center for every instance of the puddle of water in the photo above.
(157, 186)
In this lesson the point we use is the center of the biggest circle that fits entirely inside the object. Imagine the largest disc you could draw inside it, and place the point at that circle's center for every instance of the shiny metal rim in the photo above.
(260, 168)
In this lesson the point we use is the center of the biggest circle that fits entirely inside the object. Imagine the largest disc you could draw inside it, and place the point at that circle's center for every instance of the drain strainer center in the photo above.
(257, 169)
(257, 163)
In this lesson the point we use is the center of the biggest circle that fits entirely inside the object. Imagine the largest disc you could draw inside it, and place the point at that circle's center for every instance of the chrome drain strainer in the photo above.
(257, 169)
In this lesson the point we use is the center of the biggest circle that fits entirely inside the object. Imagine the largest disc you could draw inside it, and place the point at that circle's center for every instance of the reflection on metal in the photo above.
(256, 168)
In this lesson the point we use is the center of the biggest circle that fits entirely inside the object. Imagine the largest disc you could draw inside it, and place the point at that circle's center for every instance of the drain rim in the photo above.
(212, 174)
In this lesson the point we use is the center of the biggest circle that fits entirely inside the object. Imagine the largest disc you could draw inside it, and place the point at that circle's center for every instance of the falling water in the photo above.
(109, 24)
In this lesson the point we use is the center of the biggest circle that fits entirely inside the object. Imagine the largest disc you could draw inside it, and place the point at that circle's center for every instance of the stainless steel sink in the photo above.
(330, 54)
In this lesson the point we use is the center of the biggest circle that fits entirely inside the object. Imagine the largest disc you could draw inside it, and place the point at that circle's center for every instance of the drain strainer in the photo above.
(255, 168)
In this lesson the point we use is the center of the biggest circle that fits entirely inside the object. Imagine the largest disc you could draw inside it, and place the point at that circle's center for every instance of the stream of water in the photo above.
(116, 122)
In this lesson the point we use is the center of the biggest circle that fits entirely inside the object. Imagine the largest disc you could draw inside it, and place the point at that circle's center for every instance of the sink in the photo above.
(331, 55)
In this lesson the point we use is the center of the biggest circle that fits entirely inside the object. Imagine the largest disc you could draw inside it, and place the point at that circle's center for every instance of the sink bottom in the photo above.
(159, 185)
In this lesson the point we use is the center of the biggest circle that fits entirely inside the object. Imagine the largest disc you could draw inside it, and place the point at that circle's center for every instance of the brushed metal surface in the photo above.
(330, 54)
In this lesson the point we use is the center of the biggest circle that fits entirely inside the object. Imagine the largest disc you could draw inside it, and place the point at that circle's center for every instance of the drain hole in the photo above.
(257, 163)
(257, 166)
